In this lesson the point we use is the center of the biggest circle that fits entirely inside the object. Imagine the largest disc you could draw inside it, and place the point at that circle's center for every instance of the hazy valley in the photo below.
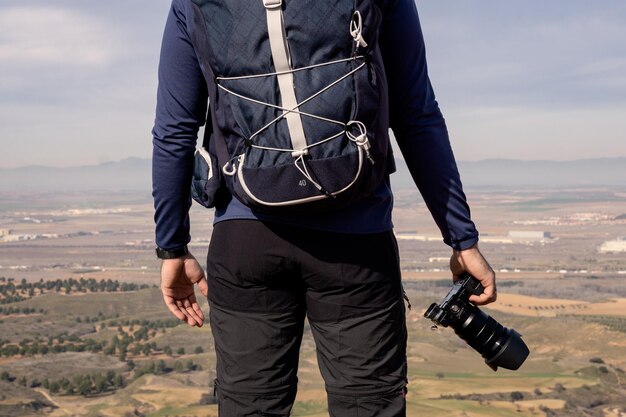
(83, 330)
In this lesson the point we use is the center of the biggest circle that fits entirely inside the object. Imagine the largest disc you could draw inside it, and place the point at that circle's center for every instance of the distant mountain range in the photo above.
(134, 174)
(514, 173)
(126, 175)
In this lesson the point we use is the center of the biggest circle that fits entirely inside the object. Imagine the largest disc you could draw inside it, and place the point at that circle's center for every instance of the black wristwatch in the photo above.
(171, 254)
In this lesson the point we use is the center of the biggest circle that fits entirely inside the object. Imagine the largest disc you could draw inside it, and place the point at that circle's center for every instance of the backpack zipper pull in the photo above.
(361, 140)
(364, 143)
(356, 29)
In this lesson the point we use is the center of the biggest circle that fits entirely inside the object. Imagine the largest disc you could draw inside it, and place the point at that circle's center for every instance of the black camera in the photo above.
(498, 345)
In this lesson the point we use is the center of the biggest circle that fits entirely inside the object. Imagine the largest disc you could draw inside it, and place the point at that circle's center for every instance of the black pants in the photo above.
(264, 278)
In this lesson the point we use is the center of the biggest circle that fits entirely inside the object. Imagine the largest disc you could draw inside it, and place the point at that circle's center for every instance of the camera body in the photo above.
(498, 345)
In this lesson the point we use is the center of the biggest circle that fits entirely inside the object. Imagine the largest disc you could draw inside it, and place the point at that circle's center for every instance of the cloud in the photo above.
(533, 54)
(36, 35)
(79, 54)
(77, 79)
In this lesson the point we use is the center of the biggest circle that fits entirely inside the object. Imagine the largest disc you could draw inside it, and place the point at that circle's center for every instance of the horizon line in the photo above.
(397, 157)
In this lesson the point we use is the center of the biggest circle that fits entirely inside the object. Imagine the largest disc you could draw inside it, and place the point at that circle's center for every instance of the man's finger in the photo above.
(198, 310)
(489, 295)
(173, 308)
(196, 307)
(192, 312)
(188, 318)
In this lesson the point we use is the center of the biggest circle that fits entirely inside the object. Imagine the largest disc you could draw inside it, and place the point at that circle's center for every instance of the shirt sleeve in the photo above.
(181, 109)
(419, 126)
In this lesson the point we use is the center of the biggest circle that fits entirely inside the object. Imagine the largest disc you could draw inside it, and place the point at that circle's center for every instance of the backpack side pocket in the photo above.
(206, 180)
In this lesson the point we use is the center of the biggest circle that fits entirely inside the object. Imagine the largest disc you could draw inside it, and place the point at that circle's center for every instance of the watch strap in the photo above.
(171, 254)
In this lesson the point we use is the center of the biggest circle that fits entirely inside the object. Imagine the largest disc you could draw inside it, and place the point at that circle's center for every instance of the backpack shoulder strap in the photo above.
(208, 129)
(284, 73)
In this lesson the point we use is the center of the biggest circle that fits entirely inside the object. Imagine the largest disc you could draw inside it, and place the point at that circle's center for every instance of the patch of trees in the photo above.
(5, 376)
(161, 367)
(95, 319)
(86, 384)
(58, 344)
(133, 337)
(557, 307)
(12, 292)
(10, 298)
(82, 384)
(93, 384)
(7, 311)
(148, 324)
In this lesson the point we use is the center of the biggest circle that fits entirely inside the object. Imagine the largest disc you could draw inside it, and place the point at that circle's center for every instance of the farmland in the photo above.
(83, 329)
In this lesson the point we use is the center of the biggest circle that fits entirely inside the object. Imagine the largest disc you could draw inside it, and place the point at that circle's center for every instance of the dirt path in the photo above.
(49, 398)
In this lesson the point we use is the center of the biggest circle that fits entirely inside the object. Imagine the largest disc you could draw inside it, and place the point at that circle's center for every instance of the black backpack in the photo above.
(298, 99)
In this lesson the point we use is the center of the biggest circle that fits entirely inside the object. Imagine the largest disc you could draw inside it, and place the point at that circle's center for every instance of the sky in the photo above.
(525, 80)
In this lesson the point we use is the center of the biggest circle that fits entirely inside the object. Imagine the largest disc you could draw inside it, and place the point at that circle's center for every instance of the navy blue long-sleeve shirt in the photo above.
(415, 119)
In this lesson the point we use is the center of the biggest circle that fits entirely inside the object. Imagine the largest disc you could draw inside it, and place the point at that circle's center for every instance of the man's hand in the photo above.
(178, 277)
(471, 261)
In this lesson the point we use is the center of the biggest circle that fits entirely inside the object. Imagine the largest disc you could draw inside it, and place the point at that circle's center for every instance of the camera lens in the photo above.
(498, 345)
